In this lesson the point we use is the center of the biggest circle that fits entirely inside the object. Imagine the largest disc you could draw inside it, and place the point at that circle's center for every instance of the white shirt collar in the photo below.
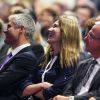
(16, 50)
(98, 60)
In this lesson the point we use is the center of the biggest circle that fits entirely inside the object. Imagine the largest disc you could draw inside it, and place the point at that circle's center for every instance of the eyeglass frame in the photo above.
(91, 35)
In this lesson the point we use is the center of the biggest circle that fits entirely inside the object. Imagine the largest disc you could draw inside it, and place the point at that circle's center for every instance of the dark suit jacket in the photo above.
(36, 48)
(56, 75)
(94, 89)
(15, 71)
(3, 51)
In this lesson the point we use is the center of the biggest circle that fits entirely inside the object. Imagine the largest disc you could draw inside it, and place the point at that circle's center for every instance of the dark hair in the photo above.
(62, 6)
(51, 11)
(92, 10)
(32, 13)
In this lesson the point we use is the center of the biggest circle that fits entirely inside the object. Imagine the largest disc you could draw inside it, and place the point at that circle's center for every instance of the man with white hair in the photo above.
(21, 61)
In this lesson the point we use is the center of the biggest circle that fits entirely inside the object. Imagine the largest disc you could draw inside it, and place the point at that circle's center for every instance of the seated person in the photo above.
(58, 65)
(86, 81)
(21, 61)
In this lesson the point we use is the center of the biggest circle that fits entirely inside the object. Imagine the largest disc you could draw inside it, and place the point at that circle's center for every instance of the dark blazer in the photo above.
(56, 75)
(15, 71)
(94, 89)
(3, 51)
(37, 48)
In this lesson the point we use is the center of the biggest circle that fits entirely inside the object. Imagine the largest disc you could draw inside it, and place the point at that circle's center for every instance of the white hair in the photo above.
(24, 20)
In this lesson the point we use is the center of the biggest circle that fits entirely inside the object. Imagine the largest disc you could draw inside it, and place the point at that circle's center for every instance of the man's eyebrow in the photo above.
(9, 25)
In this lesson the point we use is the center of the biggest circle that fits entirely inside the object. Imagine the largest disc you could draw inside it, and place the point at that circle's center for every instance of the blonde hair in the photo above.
(70, 40)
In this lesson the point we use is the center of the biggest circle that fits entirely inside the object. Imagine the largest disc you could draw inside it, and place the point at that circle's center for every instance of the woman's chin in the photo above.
(50, 41)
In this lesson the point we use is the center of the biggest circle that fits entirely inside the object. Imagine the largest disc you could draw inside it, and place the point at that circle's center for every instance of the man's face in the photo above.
(83, 14)
(92, 39)
(11, 34)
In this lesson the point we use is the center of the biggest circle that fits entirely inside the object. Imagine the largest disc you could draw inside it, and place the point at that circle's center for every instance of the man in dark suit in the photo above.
(22, 60)
(86, 81)
(5, 48)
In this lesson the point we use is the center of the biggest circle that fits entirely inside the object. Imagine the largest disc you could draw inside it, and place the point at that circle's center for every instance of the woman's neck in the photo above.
(55, 49)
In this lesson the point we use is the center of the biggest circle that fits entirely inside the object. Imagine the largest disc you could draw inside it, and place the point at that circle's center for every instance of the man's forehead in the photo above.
(96, 26)
(96, 30)
(11, 23)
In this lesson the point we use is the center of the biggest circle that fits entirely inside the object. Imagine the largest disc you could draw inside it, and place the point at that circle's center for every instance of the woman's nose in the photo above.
(50, 29)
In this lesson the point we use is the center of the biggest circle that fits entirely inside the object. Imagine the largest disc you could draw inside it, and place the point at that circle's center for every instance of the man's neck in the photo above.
(96, 55)
(19, 44)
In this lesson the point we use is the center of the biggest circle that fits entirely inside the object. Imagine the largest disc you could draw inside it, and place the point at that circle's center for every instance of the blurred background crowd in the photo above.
(45, 11)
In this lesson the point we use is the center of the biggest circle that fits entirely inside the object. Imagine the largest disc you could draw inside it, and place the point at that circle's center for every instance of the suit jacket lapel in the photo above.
(97, 76)
(82, 74)
(85, 70)
(23, 50)
(5, 66)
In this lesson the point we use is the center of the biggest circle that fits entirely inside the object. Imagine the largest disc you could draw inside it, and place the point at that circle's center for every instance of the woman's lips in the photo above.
(50, 35)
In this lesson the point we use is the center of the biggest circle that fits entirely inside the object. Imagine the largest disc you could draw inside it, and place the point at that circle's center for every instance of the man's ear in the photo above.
(22, 29)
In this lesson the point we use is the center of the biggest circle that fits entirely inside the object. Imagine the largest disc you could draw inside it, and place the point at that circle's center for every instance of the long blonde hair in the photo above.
(70, 40)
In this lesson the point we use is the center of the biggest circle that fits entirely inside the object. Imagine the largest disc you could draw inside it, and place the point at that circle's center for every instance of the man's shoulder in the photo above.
(86, 60)
(37, 48)
(82, 64)
(26, 53)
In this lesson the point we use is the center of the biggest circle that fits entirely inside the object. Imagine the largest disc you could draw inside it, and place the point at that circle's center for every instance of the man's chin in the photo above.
(7, 42)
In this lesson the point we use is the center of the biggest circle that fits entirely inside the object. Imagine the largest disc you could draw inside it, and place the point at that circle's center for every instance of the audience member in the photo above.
(86, 82)
(46, 20)
(59, 64)
(58, 7)
(36, 46)
(84, 12)
(21, 61)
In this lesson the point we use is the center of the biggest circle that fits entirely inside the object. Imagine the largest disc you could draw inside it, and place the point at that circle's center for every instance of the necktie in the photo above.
(86, 77)
(8, 57)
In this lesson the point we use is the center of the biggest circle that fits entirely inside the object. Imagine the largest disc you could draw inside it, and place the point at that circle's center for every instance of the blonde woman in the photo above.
(59, 64)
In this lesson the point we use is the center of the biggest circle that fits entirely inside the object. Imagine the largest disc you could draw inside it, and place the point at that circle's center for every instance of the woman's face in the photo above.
(54, 34)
